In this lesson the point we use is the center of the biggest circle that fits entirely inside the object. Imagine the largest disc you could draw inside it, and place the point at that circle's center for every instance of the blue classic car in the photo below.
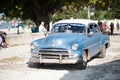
(71, 41)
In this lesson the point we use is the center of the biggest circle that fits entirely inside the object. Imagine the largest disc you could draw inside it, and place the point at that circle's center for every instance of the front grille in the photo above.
(53, 49)
(55, 53)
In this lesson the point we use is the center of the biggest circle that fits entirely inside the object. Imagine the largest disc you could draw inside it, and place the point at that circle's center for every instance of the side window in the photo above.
(96, 28)
(90, 28)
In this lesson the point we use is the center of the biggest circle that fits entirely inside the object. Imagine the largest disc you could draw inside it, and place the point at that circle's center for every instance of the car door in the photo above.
(97, 35)
(93, 39)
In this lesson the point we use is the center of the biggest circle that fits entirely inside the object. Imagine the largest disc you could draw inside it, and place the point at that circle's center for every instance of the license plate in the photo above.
(50, 60)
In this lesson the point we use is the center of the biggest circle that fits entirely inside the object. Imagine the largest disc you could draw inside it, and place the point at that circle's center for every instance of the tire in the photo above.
(83, 63)
(102, 54)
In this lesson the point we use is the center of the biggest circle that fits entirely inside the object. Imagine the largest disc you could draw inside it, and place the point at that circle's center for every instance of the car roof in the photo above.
(82, 21)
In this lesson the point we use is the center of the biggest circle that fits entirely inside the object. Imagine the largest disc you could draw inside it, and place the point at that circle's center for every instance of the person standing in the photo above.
(42, 29)
(117, 25)
(104, 27)
(33, 28)
(100, 25)
(111, 27)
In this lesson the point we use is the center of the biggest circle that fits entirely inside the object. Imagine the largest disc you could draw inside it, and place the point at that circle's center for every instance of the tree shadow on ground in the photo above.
(106, 71)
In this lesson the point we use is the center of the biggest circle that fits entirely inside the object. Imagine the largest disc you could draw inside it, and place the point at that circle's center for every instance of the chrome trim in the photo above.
(55, 61)
(52, 49)
(56, 55)
(92, 45)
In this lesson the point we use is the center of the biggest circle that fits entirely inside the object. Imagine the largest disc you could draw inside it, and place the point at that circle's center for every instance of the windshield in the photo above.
(71, 28)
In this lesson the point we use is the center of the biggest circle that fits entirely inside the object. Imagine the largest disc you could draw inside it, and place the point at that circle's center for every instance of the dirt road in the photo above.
(14, 66)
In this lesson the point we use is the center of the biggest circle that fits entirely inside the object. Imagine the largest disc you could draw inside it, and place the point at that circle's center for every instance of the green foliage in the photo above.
(40, 10)
(63, 13)
(14, 8)
(69, 12)
(109, 14)
(115, 8)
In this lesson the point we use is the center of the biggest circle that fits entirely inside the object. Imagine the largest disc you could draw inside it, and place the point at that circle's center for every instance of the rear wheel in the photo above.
(102, 54)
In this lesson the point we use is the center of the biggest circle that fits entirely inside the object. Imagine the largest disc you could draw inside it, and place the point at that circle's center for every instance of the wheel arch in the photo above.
(88, 54)
(107, 45)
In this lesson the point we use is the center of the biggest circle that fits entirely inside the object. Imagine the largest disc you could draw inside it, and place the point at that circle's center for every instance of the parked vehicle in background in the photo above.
(72, 41)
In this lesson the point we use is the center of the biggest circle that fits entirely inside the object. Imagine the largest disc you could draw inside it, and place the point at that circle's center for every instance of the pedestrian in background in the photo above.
(33, 28)
(104, 27)
(100, 25)
(117, 26)
(42, 29)
(112, 28)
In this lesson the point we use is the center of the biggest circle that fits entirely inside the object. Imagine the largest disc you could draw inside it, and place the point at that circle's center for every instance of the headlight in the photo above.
(33, 45)
(75, 47)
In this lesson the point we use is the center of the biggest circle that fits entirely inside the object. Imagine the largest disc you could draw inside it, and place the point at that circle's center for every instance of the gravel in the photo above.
(14, 62)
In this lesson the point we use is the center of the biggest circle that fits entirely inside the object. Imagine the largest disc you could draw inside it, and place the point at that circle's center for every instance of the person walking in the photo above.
(112, 28)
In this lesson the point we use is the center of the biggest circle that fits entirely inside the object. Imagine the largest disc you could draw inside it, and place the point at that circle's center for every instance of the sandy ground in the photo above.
(14, 66)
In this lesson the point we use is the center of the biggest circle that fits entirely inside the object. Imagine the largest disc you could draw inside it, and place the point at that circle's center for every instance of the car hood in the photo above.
(61, 40)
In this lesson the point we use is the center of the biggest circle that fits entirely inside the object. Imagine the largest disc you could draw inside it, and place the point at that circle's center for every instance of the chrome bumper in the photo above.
(55, 61)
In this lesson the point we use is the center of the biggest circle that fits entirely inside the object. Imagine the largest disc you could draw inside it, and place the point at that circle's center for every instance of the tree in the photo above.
(78, 6)
(42, 10)
(37, 10)
(115, 8)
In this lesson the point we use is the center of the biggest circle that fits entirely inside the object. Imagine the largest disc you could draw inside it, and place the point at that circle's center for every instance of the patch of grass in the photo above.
(11, 59)
(16, 45)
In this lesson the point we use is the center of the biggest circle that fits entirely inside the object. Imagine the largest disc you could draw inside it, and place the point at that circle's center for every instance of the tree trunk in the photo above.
(42, 11)
(77, 14)
(88, 11)
(40, 14)
(44, 19)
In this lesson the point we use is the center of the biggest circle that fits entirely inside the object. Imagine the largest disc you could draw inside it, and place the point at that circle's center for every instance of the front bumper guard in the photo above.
(55, 61)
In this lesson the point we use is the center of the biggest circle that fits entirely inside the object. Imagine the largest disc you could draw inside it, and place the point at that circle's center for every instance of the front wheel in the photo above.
(35, 65)
(83, 62)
